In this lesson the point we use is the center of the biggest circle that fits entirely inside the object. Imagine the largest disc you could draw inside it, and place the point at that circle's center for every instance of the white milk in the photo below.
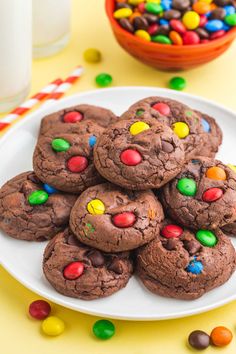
(51, 26)
(15, 51)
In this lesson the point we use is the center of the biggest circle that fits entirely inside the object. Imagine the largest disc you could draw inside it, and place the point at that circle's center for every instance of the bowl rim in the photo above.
(229, 36)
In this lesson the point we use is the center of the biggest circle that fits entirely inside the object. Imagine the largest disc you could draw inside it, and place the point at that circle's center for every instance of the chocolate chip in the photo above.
(124, 22)
(203, 34)
(171, 14)
(180, 4)
(170, 244)
(72, 240)
(199, 339)
(167, 147)
(141, 22)
(96, 257)
(116, 266)
(218, 14)
(33, 178)
(151, 18)
(191, 246)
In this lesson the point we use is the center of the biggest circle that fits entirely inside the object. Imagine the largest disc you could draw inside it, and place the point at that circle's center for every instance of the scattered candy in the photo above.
(92, 140)
(60, 145)
(77, 164)
(138, 127)
(176, 22)
(199, 340)
(37, 198)
(103, 79)
(123, 220)
(73, 270)
(53, 326)
(177, 83)
(39, 309)
(103, 329)
(49, 189)
(181, 129)
(172, 231)
(212, 194)
(92, 55)
(96, 207)
(73, 117)
(206, 238)
(130, 157)
(195, 267)
(187, 186)
(216, 173)
(221, 336)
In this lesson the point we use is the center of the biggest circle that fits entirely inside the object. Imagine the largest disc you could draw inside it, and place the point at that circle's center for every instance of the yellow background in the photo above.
(18, 333)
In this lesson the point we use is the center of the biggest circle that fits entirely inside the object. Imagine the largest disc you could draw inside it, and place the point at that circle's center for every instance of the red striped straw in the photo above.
(29, 104)
(64, 86)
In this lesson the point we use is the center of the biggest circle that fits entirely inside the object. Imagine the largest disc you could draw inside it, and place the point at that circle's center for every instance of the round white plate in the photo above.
(23, 259)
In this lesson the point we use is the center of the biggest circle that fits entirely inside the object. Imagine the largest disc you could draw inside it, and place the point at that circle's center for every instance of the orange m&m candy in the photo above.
(176, 38)
(201, 7)
(221, 336)
(216, 173)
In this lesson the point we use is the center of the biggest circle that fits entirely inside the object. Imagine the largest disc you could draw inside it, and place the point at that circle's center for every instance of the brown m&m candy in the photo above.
(199, 340)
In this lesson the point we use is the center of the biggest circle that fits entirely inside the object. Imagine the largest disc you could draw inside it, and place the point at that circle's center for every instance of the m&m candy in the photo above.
(206, 238)
(216, 173)
(60, 145)
(103, 329)
(123, 220)
(221, 336)
(187, 187)
(130, 157)
(39, 309)
(72, 117)
(92, 55)
(103, 79)
(172, 231)
(212, 195)
(49, 189)
(199, 340)
(138, 127)
(195, 267)
(53, 326)
(96, 207)
(175, 22)
(181, 129)
(37, 197)
(77, 164)
(177, 83)
(162, 108)
(73, 270)
(92, 140)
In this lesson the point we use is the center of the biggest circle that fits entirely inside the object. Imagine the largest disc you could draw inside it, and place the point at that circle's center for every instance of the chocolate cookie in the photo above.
(80, 115)
(32, 211)
(212, 136)
(139, 154)
(184, 121)
(185, 265)
(203, 195)
(65, 161)
(113, 220)
(79, 271)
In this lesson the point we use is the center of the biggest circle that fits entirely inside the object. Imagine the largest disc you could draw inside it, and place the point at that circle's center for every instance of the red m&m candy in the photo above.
(126, 219)
(172, 231)
(130, 157)
(177, 26)
(191, 37)
(162, 108)
(39, 309)
(77, 164)
(73, 270)
(212, 194)
(72, 117)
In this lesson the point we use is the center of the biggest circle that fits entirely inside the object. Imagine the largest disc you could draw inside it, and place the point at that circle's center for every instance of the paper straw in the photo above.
(29, 104)
(64, 86)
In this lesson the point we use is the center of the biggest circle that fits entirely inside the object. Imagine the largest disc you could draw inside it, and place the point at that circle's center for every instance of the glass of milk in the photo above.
(15, 52)
(51, 26)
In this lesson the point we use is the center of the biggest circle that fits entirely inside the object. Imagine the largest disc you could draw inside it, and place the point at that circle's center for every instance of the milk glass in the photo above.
(15, 51)
(51, 26)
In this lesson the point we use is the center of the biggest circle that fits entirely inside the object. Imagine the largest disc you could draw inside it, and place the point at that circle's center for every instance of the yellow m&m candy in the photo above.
(96, 207)
(123, 13)
(181, 129)
(191, 20)
(138, 127)
(143, 34)
(53, 326)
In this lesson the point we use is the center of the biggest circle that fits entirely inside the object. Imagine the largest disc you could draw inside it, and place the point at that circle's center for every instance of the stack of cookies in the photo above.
(140, 194)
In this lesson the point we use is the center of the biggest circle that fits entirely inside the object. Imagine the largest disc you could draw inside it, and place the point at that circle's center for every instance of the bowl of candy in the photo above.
(173, 34)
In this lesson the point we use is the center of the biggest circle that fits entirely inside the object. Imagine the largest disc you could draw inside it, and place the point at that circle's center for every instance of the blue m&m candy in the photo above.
(92, 140)
(229, 9)
(206, 126)
(195, 267)
(214, 25)
(162, 22)
(49, 189)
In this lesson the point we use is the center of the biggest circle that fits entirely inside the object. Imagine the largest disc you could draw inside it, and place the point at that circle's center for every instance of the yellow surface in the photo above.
(19, 334)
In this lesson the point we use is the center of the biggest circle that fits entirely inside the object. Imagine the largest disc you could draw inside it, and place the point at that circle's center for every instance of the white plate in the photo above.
(23, 259)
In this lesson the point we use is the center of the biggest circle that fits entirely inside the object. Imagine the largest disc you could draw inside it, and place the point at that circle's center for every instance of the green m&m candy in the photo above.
(206, 238)
(139, 112)
(231, 19)
(60, 145)
(37, 197)
(187, 186)
(103, 329)
(103, 79)
(161, 38)
(177, 83)
(153, 8)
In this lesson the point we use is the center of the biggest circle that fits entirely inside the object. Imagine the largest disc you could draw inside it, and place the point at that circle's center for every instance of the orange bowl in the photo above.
(168, 57)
